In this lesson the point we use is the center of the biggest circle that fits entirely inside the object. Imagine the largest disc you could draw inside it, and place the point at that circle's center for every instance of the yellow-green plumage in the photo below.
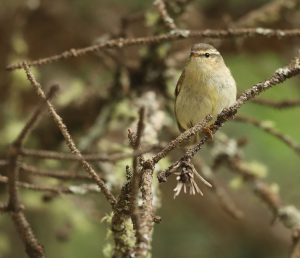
(205, 87)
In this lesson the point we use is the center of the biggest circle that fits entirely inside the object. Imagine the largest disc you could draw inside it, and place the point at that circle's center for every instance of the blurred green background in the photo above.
(192, 226)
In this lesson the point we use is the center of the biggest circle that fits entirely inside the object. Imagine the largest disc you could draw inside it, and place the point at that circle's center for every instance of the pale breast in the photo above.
(192, 107)
(201, 95)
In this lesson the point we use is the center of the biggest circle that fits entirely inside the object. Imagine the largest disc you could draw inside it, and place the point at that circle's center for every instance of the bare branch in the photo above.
(188, 134)
(290, 103)
(70, 143)
(136, 180)
(114, 157)
(146, 216)
(267, 14)
(121, 42)
(72, 189)
(265, 126)
(162, 10)
(35, 117)
(33, 248)
(279, 76)
(58, 174)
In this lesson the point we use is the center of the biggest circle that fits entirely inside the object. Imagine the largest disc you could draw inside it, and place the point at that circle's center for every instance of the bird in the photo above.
(205, 87)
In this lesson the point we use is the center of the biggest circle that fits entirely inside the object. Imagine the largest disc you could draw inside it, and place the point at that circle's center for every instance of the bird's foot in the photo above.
(208, 132)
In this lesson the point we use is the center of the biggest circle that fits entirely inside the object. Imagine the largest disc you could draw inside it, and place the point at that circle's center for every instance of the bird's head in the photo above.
(205, 54)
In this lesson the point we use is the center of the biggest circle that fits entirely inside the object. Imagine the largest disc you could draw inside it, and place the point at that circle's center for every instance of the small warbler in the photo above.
(205, 87)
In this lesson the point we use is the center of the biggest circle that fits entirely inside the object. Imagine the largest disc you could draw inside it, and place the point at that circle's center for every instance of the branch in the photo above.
(58, 174)
(185, 136)
(69, 141)
(114, 157)
(263, 125)
(33, 248)
(268, 13)
(290, 103)
(126, 205)
(72, 189)
(164, 15)
(121, 42)
(279, 76)
(135, 141)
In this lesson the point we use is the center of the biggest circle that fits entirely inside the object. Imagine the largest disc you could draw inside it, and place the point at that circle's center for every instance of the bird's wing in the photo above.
(179, 83)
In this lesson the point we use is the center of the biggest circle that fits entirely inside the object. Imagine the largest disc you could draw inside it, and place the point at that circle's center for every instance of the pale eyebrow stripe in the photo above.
(210, 51)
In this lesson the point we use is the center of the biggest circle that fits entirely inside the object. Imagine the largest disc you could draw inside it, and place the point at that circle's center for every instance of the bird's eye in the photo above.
(206, 55)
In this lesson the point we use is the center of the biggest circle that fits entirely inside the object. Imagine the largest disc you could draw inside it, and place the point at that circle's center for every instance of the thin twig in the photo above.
(289, 103)
(58, 174)
(34, 118)
(114, 157)
(267, 14)
(265, 126)
(162, 10)
(33, 248)
(121, 42)
(69, 141)
(72, 189)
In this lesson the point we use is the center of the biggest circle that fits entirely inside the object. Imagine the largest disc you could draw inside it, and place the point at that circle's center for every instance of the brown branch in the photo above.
(58, 174)
(121, 225)
(288, 215)
(290, 103)
(34, 119)
(114, 157)
(121, 42)
(143, 245)
(72, 189)
(33, 248)
(69, 141)
(164, 15)
(263, 125)
(279, 76)
(267, 14)
(136, 178)
(126, 205)
(185, 136)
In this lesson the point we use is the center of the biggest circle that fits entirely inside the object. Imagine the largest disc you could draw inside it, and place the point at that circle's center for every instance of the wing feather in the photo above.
(179, 83)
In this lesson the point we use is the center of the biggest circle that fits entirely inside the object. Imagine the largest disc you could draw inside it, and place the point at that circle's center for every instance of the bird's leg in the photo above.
(207, 130)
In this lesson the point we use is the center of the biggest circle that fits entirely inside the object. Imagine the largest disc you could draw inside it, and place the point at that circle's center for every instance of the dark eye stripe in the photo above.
(209, 55)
